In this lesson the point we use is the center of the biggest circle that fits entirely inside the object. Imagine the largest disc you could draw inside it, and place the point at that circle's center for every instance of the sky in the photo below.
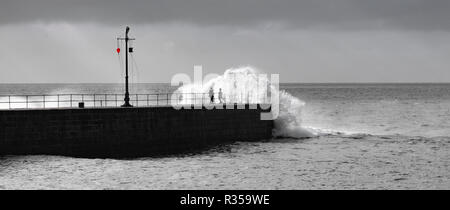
(308, 41)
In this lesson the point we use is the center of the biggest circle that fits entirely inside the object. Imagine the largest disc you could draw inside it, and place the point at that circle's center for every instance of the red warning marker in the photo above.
(118, 50)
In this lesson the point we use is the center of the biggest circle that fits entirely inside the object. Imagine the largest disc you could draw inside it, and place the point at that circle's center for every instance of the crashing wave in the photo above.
(246, 85)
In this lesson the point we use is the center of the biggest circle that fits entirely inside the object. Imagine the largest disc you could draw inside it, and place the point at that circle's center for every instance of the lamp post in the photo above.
(127, 93)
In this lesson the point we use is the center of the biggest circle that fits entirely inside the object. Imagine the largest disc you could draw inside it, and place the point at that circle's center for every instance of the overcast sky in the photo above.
(70, 41)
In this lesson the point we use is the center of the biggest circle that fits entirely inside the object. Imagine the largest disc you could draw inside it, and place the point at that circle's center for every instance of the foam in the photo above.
(244, 85)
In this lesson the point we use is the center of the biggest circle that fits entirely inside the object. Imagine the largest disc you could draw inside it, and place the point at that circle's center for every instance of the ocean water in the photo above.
(366, 136)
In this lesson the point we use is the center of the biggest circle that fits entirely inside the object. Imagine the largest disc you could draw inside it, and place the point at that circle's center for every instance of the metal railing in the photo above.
(99, 100)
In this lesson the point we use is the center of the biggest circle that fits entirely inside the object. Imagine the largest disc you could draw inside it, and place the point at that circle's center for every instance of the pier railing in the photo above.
(99, 100)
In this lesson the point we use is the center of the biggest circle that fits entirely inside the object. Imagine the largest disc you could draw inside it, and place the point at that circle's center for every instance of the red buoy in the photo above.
(118, 50)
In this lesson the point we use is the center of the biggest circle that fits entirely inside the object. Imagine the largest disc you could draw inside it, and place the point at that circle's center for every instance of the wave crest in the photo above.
(244, 85)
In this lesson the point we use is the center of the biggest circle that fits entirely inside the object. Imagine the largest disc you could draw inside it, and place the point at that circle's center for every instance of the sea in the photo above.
(362, 136)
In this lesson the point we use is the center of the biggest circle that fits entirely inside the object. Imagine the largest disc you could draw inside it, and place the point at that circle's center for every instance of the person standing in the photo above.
(221, 100)
(211, 95)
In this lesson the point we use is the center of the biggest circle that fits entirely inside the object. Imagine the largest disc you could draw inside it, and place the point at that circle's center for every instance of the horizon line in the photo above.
(96, 83)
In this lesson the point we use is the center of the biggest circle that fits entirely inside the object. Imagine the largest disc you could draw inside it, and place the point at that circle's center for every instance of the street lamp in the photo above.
(127, 93)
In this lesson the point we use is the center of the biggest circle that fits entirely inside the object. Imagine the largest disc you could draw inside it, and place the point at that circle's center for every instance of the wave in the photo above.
(409, 139)
(246, 85)
(289, 121)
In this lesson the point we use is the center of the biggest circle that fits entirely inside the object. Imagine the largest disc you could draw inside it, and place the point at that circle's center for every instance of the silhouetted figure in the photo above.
(180, 98)
(221, 100)
(211, 94)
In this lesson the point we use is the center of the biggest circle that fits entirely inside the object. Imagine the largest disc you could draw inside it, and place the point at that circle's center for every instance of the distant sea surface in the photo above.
(370, 136)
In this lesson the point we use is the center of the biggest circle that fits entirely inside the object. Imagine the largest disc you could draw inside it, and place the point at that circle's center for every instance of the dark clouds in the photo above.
(302, 40)
(334, 14)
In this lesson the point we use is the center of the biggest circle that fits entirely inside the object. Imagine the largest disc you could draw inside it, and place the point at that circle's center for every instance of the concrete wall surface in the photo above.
(126, 132)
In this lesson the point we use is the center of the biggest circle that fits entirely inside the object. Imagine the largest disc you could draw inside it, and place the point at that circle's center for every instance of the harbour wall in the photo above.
(127, 132)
